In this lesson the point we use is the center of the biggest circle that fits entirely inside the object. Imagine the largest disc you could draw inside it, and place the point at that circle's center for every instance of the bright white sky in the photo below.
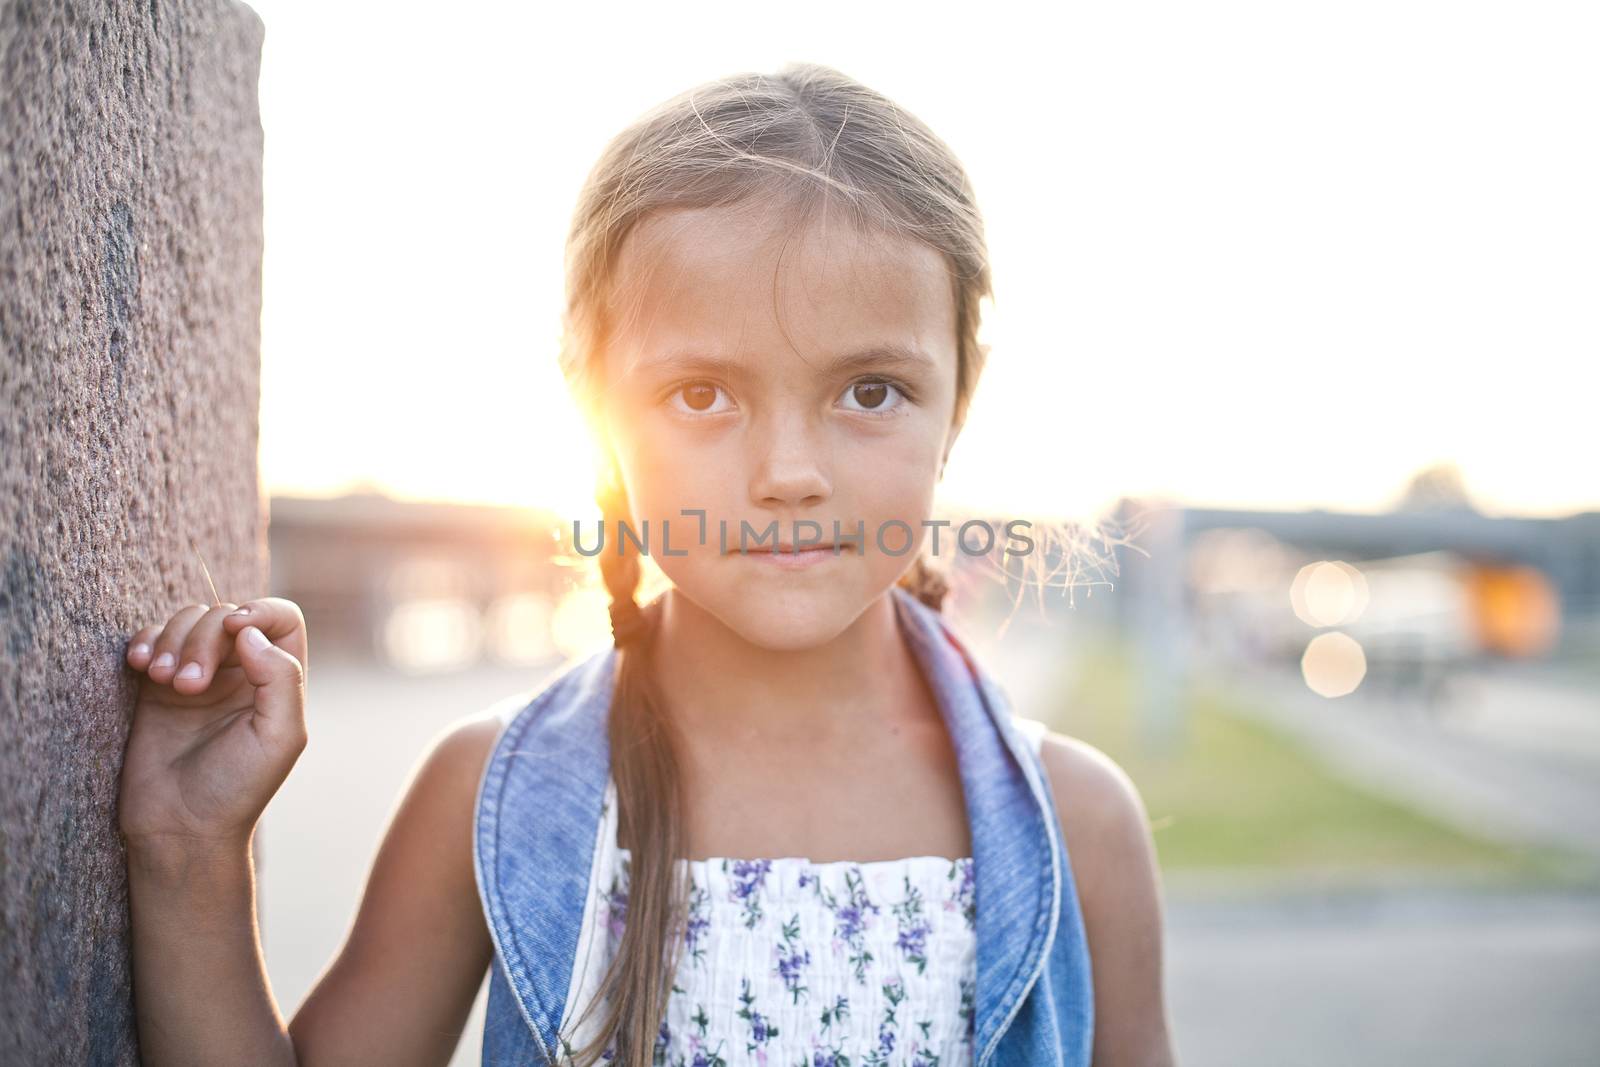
(1245, 254)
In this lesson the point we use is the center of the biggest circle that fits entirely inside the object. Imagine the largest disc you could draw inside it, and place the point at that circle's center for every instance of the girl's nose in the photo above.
(794, 467)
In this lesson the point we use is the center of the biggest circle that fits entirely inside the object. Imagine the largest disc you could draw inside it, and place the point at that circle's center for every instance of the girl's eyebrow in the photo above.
(891, 354)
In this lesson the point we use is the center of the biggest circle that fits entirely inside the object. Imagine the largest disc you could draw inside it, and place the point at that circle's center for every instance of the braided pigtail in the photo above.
(644, 765)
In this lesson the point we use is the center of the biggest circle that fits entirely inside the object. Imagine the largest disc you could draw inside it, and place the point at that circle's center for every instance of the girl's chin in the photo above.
(789, 620)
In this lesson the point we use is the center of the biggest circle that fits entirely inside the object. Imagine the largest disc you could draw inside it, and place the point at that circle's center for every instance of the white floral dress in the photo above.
(790, 963)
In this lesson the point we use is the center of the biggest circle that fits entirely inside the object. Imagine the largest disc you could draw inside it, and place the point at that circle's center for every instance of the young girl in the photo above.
(785, 818)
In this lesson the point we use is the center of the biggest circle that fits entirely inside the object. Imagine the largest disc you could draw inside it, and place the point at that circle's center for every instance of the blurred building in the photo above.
(417, 584)
(1396, 597)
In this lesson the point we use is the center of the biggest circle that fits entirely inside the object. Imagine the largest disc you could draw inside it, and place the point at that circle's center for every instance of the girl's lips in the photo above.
(790, 559)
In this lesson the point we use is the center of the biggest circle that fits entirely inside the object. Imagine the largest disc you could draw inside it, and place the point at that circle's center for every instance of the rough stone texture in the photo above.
(130, 297)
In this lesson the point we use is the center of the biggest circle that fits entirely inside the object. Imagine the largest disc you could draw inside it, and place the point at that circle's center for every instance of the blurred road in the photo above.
(1408, 977)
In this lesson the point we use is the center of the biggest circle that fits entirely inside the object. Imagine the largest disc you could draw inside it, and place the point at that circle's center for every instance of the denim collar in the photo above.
(539, 810)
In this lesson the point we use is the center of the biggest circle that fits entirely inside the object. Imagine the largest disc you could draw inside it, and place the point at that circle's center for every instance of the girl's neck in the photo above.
(718, 684)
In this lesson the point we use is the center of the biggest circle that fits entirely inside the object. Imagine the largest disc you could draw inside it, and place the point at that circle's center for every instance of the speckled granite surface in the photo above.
(130, 297)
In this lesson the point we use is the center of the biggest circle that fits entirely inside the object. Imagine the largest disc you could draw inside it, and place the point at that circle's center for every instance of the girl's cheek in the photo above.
(907, 471)
(670, 481)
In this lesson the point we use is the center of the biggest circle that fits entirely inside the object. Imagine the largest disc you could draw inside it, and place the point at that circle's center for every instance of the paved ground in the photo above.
(1411, 978)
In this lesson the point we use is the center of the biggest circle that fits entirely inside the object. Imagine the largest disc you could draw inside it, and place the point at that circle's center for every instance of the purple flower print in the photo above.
(887, 1034)
(699, 921)
(913, 942)
(914, 927)
(851, 919)
(965, 896)
(761, 1028)
(894, 991)
(748, 876)
(616, 899)
(700, 1056)
(838, 1011)
(793, 957)
(880, 1055)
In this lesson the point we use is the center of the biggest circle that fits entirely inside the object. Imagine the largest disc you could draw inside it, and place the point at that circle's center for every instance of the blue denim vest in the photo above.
(536, 835)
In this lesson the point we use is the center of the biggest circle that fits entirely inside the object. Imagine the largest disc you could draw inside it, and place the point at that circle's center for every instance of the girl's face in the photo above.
(819, 388)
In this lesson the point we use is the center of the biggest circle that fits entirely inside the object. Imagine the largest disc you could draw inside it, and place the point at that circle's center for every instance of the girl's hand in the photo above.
(210, 746)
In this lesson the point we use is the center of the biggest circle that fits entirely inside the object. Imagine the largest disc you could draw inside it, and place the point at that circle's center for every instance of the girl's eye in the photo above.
(874, 395)
(870, 396)
(698, 398)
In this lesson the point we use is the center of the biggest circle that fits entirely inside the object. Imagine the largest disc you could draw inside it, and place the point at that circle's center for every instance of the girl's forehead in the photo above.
(731, 279)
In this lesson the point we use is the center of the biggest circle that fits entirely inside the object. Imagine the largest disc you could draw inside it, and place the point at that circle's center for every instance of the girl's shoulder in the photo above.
(1096, 800)
(1107, 833)
(1032, 730)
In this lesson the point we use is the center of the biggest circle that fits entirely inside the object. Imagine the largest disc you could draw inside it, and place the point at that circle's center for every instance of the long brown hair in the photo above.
(804, 140)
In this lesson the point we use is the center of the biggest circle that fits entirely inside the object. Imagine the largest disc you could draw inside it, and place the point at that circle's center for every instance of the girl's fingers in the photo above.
(141, 647)
(164, 660)
(279, 679)
(204, 649)
(280, 619)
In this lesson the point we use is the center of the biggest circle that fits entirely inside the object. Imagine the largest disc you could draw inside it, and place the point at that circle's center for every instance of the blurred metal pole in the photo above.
(1161, 626)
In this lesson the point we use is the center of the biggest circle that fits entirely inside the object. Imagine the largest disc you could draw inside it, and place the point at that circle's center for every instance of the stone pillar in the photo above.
(130, 299)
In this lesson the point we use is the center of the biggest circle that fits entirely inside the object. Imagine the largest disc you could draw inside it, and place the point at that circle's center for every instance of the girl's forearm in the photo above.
(200, 988)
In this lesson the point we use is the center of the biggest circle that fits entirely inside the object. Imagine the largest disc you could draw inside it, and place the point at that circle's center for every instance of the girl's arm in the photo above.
(1114, 864)
(205, 755)
(401, 988)
(200, 989)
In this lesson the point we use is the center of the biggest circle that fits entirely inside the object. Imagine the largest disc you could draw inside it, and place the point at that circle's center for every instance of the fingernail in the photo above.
(191, 670)
(163, 660)
(256, 638)
(140, 649)
(241, 611)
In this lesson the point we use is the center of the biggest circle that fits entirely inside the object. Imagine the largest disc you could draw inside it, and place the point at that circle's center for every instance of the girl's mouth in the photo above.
(790, 558)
